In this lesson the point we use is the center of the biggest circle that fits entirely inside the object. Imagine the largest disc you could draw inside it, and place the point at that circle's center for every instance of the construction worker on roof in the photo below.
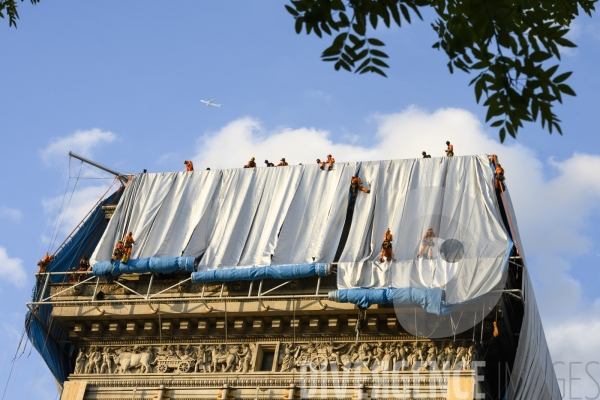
(321, 163)
(251, 163)
(330, 161)
(499, 177)
(269, 164)
(427, 244)
(128, 243)
(425, 155)
(44, 262)
(494, 159)
(118, 251)
(450, 149)
(355, 185)
(283, 163)
(84, 265)
(189, 166)
(386, 247)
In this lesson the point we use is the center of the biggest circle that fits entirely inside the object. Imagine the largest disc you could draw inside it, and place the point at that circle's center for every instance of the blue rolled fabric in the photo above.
(143, 265)
(256, 273)
(429, 299)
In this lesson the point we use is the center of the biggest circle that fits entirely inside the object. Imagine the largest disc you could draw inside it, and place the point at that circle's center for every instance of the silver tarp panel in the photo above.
(455, 197)
(532, 376)
(235, 217)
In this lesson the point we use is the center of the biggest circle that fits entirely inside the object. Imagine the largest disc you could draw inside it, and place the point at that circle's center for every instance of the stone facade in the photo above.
(219, 342)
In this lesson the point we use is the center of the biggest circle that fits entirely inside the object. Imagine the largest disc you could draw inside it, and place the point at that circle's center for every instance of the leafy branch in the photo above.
(10, 8)
(508, 43)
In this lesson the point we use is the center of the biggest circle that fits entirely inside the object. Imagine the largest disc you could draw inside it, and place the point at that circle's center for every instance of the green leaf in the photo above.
(359, 29)
(373, 18)
(361, 55)
(479, 88)
(364, 64)
(337, 5)
(346, 67)
(502, 135)
(405, 12)
(298, 25)
(378, 71)
(378, 53)
(497, 123)
(344, 21)
(395, 14)
(292, 10)
(566, 89)
(539, 56)
(375, 42)
(379, 62)
(550, 71)
(565, 42)
(562, 77)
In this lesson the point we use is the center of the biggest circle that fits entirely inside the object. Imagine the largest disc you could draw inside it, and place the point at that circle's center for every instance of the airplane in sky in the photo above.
(210, 103)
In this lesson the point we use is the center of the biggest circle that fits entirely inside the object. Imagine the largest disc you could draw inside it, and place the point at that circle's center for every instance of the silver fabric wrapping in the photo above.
(533, 376)
(235, 217)
(455, 196)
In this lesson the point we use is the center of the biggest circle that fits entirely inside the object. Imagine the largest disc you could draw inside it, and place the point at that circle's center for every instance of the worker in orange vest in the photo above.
(330, 161)
(450, 149)
(321, 163)
(44, 262)
(355, 184)
(128, 243)
(427, 243)
(499, 177)
(283, 163)
(251, 163)
(189, 166)
(494, 159)
(386, 247)
(118, 251)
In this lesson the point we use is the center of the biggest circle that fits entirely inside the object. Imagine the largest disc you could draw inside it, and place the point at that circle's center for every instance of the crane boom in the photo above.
(122, 178)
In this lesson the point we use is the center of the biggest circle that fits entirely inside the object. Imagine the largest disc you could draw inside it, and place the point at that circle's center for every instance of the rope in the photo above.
(52, 209)
(19, 365)
(40, 360)
(86, 215)
(89, 225)
(52, 242)
(25, 292)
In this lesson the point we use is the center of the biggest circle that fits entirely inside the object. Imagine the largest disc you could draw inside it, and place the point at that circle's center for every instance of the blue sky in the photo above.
(128, 77)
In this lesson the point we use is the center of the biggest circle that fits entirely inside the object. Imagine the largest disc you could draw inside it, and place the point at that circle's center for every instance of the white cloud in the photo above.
(10, 213)
(576, 352)
(11, 269)
(553, 214)
(81, 142)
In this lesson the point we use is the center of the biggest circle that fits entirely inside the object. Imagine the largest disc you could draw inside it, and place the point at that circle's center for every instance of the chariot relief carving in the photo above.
(312, 356)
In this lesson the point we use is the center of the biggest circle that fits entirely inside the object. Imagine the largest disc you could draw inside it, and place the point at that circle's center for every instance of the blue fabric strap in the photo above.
(294, 271)
(429, 299)
(144, 265)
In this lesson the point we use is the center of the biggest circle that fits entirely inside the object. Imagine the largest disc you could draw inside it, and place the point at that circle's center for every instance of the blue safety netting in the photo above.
(431, 300)
(144, 265)
(45, 335)
(294, 271)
